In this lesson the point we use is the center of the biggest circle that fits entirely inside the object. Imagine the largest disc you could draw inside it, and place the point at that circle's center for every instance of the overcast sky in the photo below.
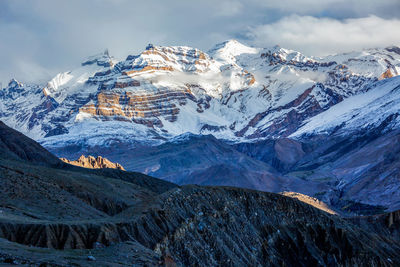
(41, 38)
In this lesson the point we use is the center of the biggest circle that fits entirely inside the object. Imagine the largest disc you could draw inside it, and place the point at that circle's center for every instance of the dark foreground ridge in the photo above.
(60, 215)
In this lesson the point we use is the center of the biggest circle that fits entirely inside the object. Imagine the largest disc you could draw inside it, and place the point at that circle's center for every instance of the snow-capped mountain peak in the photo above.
(102, 59)
(233, 92)
(14, 84)
(230, 49)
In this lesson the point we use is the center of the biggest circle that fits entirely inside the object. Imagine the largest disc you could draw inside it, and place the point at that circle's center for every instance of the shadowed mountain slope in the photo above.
(15, 145)
(202, 160)
(128, 218)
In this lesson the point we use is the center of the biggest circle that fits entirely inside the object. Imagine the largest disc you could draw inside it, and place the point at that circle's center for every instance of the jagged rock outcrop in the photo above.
(93, 163)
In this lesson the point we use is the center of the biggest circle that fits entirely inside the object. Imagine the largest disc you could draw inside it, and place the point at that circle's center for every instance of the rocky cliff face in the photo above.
(93, 163)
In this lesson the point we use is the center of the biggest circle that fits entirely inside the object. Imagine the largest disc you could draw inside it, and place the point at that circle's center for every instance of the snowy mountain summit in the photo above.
(234, 92)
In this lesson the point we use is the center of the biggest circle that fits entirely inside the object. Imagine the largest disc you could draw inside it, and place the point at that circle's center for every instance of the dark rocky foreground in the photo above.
(53, 214)
(196, 226)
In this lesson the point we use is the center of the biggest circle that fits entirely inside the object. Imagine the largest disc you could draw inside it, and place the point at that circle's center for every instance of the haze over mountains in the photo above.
(270, 119)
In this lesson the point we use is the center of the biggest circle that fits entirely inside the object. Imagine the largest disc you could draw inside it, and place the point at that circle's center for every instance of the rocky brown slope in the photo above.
(93, 163)
(128, 218)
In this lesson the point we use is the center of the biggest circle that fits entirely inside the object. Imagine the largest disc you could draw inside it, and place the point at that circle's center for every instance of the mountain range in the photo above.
(269, 119)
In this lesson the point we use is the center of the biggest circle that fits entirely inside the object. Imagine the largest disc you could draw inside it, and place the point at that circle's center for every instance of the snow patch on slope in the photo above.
(358, 111)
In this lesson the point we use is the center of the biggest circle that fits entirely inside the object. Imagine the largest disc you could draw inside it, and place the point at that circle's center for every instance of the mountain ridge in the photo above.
(235, 92)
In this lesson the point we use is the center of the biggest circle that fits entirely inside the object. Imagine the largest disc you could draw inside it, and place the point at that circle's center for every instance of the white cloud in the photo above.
(32, 72)
(58, 34)
(354, 7)
(229, 8)
(322, 36)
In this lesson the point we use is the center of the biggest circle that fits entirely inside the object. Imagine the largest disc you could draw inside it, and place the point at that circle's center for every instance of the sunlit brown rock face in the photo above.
(310, 201)
(387, 74)
(129, 93)
(94, 163)
(140, 108)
